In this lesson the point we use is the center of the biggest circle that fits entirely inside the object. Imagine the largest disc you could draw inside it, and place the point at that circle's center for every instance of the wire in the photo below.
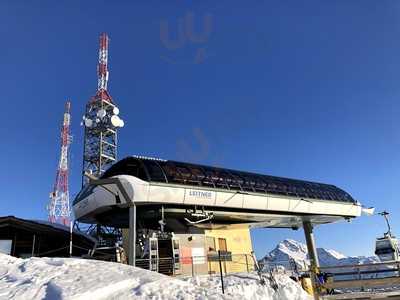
(385, 214)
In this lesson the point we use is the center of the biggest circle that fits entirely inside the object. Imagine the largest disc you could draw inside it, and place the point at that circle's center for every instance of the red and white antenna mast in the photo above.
(102, 68)
(58, 208)
(101, 121)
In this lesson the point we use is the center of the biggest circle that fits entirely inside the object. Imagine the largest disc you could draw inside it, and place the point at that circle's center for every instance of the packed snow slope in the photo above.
(289, 251)
(73, 278)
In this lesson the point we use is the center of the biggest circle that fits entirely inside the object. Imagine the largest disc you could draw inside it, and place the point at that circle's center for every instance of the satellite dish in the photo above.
(116, 111)
(115, 121)
(97, 120)
(88, 123)
(101, 113)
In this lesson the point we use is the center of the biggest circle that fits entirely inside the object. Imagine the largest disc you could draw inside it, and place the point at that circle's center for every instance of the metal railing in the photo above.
(214, 263)
(290, 266)
(362, 271)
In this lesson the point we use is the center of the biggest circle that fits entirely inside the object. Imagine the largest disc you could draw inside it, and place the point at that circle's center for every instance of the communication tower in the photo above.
(58, 208)
(101, 122)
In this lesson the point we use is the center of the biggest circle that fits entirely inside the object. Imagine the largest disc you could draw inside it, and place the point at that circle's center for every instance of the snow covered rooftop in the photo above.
(64, 228)
(42, 224)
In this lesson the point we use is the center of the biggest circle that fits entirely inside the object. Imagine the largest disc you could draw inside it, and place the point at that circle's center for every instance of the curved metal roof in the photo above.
(173, 172)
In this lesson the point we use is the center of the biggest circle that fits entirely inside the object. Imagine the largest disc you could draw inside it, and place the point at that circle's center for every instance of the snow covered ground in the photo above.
(73, 278)
(246, 286)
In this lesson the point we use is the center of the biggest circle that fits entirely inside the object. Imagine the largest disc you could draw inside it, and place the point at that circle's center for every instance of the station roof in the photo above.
(173, 172)
(43, 227)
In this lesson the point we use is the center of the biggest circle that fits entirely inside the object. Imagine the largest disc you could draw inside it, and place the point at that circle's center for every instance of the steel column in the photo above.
(312, 253)
(132, 235)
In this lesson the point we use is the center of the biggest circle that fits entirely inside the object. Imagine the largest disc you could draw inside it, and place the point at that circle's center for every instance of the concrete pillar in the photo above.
(312, 253)
(132, 235)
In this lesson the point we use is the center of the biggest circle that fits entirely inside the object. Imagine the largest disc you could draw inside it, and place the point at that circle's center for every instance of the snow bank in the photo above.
(246, 286)
(73, 278)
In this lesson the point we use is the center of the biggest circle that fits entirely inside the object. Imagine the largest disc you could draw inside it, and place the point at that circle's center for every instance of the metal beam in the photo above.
(312, 253)
(132, 235)
(363, 283)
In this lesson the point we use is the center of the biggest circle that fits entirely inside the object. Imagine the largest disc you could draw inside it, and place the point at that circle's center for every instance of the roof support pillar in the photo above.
(14, 244)
(132, 235)
(312, 253)
(33, 245)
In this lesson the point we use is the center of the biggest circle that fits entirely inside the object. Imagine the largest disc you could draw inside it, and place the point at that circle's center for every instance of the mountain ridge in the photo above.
(290, 253)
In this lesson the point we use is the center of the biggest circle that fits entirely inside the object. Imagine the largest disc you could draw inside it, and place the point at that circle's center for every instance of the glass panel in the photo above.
(197, 172)
(191, 174)
(210, 243)
(238, 180)
(129, 166)
(172, 173)
(155, 172)
(197, 175)
(5, 246)
(184, 173)
(220, 179)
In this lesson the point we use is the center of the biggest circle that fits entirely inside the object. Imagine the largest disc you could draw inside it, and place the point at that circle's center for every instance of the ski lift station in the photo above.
(171, 209)
(185, 213)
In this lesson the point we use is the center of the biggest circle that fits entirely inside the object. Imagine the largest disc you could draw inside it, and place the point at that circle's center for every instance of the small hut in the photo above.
(27, 238)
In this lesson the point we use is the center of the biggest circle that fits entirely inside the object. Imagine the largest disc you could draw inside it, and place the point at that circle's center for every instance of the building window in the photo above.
(5, 246)
(210, 243)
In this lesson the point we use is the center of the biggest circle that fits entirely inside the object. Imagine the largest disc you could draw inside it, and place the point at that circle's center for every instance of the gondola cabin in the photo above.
(387, 249)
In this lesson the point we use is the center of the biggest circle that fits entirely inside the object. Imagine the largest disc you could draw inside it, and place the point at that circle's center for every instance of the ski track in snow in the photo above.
(77, 279)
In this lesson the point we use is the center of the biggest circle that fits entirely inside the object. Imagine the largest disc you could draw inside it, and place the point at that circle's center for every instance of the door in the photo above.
(222, 245)
(165, 255)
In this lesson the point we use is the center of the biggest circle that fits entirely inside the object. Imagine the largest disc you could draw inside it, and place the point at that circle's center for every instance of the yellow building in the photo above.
(198, 252)
(235, 247)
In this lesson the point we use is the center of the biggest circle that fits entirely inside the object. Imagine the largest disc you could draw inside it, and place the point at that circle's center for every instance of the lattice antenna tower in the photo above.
(58, 207)
(101, 122)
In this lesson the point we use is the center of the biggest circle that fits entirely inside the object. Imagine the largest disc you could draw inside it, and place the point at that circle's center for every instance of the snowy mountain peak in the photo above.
(332, 253)
(289, 245)
(289, 252)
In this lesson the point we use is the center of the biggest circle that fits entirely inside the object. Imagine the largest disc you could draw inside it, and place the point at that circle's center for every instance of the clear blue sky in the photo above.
(302, 89)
